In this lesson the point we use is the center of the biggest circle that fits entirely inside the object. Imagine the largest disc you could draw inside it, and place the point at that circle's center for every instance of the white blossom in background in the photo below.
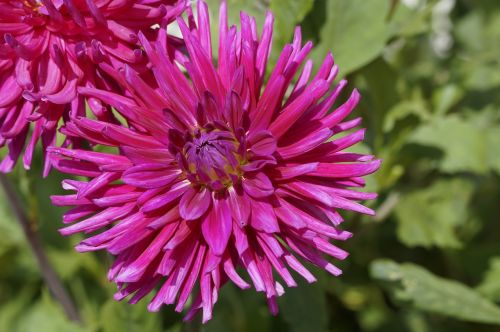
(441, 37)
(414, 4)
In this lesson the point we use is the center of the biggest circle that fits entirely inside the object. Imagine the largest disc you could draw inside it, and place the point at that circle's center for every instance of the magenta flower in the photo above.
(217, 171)
(49, 47)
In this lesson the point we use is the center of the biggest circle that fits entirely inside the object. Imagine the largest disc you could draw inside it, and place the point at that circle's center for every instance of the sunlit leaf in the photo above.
(468, 145)
(420, 289)
(287, 14)
(355, 31)
(431, 216)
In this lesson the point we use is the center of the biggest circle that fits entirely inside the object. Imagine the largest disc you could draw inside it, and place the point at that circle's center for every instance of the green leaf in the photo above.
(355, 31)
(407, 21)
(469, 144)
(287, 14)
(431, 216)
(490, 286)
(304, 308)
(422, 290)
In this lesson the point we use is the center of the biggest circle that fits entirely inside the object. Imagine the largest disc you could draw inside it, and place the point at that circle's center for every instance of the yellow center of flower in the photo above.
(213, 158)
(33, 5)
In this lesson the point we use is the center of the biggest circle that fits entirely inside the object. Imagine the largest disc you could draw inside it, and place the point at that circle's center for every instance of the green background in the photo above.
(429, 74)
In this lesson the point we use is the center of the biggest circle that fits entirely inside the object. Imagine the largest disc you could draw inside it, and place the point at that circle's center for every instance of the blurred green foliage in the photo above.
(429, 74)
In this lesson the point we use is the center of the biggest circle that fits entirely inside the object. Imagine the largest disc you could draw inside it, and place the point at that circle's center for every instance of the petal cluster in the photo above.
(219, 168)
(50, 47)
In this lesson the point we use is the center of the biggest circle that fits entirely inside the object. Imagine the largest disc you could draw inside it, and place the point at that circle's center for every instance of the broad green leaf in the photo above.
(406, 21)
(431, 216)
(287, 14)
(468, 145)
(490, 286)
(304, 308)
(463, 145)
(420, 289)
(355, 31)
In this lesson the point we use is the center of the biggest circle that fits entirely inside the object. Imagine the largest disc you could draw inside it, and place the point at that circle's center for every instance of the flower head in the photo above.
(217, 169)
(49, 47)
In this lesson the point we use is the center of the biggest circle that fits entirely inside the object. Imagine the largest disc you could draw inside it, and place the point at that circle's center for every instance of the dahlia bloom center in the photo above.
(213, 158)
(33, 5)
(32, 12)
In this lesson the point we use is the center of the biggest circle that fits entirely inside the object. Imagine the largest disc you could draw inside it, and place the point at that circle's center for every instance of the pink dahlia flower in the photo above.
(217, 170)
(49, 47)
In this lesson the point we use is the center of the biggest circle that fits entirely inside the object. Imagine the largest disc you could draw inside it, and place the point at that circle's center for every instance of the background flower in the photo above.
(218, 171)
(48, 48)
